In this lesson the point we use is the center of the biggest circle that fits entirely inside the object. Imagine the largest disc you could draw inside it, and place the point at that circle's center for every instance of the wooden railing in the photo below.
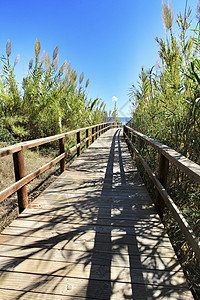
(18, 158)
(166, 155)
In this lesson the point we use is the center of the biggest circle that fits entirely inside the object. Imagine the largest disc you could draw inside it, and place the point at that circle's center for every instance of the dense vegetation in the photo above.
(167, 96)
(166, 107)
(52, 99)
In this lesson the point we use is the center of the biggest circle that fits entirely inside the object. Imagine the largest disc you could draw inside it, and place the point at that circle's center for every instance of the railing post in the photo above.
(100, 127)
(96, 136)
(92, 134)
(133, 142)
(124, 131)
(162, 177)
(18, 159)
(78, 141)
(129, 135)
(129, 139)
(88, 141)
(62, 150)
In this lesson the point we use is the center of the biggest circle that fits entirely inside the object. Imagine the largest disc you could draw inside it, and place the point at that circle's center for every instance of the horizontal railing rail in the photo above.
(166, 155)
(18, 159)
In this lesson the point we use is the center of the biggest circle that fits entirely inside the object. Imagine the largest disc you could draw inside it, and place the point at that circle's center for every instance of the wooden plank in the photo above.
(38, 225)
(98, 289)
(155, 294)
(114, 220)
(75, 248)
(81, 269)
(55, 237)
(70, 257)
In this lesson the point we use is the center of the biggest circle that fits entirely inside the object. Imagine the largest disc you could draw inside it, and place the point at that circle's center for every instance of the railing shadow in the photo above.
(97, 245)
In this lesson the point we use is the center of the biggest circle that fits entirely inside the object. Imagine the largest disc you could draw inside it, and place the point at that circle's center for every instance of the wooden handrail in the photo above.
(17, 151)
(38, 142)
(187, 166)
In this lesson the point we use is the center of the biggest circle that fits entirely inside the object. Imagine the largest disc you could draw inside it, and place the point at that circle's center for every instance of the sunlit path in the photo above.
(93, 234)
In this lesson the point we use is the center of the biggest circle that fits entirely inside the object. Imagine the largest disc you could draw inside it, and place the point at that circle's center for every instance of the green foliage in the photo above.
(166, 97)
(53, 100)
(6, 136)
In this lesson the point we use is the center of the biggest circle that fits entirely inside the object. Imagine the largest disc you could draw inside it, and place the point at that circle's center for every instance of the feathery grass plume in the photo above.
(47, 62)
(69, 66)
(55, 53)
(167, 15)
(102, 104)
(81, 78)
(73, 77)
(55, 64)
(63, 67)
(17, 60)
(42, 58)
(68, 72)
(87, 83)
(37, 48)
(8, 48)
(30, 63)
(79, 91)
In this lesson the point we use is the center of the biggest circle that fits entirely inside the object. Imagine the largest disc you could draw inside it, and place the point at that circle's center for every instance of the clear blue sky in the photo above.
(109, 40)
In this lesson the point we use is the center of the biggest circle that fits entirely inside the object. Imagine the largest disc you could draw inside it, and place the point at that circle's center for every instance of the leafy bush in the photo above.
(6, 136)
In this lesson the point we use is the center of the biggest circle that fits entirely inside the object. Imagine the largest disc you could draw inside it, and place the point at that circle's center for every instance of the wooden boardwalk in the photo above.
(93, 234)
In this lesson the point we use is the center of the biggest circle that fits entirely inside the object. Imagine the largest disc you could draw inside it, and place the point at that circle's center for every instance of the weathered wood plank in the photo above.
(62, 238)
(77, 287)
(101, 271)
(82, 254)
(138, 291)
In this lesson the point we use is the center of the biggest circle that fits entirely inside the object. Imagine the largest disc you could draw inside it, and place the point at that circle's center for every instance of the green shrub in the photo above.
(6, 136)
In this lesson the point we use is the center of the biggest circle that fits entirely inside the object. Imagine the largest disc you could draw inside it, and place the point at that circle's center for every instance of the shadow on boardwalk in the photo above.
(121, 241)
(91, 247)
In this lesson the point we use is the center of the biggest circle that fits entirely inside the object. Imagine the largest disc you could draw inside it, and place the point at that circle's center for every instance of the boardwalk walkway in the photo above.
(93, 234)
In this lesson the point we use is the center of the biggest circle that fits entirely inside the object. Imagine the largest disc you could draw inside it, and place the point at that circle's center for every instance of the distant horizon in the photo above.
(123, 119)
